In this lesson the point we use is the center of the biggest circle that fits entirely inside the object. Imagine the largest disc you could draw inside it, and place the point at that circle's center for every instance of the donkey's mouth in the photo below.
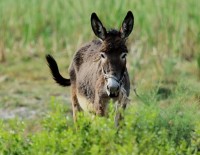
(113, 95)
(112, 87)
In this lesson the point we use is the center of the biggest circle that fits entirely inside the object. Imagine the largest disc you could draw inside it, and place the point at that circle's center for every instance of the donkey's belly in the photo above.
(85, 104)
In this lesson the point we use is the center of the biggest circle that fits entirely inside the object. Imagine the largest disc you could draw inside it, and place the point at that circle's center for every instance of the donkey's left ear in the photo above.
(97, 27)
(127, 25)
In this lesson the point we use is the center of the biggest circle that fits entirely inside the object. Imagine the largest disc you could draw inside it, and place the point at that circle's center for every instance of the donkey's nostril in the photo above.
(114, 89)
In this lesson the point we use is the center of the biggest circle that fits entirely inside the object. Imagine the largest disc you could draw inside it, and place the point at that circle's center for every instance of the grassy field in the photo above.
(163, 62)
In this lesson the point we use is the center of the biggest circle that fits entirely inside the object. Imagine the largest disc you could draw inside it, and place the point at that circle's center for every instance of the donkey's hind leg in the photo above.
(75, 105)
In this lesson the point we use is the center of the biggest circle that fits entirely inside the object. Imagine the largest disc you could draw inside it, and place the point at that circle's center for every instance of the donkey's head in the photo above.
(113, 51)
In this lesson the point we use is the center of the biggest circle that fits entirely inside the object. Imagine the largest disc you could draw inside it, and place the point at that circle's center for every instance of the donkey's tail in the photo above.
(55, 72)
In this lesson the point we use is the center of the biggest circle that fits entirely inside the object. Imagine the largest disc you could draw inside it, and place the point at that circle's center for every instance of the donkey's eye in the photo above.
(123, 56)
(103, 55)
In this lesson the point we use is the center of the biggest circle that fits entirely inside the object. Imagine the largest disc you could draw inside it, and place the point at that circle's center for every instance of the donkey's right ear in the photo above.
(97, 27)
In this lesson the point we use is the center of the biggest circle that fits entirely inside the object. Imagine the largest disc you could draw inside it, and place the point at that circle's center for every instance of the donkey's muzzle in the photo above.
(112, 87)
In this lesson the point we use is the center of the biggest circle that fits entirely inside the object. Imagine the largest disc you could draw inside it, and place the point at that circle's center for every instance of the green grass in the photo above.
(163, 62)
(146, 130)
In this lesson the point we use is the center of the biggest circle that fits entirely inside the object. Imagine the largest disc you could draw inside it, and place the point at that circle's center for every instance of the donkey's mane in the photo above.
(113, 32)
(114, 42)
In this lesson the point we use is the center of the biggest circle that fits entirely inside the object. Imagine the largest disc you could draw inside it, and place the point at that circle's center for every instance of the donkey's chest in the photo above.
(88, 82)
(85, 104)
(86, 94)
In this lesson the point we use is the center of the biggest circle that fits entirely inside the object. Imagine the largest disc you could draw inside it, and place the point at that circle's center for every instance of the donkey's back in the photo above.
(86, 54)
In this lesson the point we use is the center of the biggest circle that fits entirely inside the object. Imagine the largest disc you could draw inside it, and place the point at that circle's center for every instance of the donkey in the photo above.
(98, 71)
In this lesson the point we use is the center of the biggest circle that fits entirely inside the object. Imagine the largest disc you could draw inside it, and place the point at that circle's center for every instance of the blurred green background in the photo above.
(164, 45)
(163, 60)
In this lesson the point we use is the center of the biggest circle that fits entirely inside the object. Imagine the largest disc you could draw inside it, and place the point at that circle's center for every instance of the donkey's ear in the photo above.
(97, 27)
(127, 25)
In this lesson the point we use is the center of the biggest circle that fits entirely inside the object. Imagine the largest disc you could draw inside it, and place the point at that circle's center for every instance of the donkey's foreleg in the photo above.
(118, 113)
(100, 104)
(119, 109)
(99, 108)
(100, 100)
(122, 102)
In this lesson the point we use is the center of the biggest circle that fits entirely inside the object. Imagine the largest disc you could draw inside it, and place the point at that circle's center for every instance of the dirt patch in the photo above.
(21, 112)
